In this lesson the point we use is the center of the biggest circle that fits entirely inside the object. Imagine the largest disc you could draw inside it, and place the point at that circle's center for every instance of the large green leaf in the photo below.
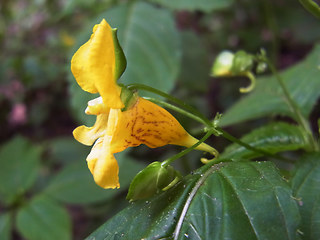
(273, 138)
(195, 64)
(67, 149)
(237, 200)
(5, 226)
(306, 189)
(204, 5)
(302, 81)
(79, 101)
(19, 161)
(75, 184)
(150, 42)
(43, 219)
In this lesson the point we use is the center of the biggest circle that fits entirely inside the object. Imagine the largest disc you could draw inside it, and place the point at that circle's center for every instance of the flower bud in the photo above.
(242, 62)
(151, 180)
(223, 64)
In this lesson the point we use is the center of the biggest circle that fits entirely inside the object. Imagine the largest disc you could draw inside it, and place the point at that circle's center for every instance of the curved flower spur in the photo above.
(123, 118)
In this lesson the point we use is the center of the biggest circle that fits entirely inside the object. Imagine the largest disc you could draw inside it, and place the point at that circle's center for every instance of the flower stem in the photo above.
(185, 151)
(186, 106)
(177, 109)
(252, 85)
(293, 106)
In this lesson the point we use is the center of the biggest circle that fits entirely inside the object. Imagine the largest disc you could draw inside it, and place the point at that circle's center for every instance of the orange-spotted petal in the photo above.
(93, 66)
(103, 165)
(149, 124)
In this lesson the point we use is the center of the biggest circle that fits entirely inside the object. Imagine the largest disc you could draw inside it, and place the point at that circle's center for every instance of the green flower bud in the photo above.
(238, 64)
(242, 62)
(223, 64)
(151, 180)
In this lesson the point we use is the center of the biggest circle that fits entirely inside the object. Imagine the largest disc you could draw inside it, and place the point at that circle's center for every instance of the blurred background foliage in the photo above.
(46, 190)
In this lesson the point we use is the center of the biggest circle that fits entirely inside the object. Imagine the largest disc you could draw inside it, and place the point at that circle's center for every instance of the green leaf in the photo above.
(5, 226)
(306, 189)
(311, 6)
(203, 5)
(152, 47)
(44, 219)
(237, 200)
(273, 138)
(195, 64)
(67, 149)
(79, 101)
(75, 185)
(19, 160)
(302, 81)
(297, 24)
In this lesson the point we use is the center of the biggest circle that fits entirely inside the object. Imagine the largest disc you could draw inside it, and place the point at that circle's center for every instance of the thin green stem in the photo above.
(177, 109)
(252, 85)
(185, 151)
(171, 98)
(293, 106)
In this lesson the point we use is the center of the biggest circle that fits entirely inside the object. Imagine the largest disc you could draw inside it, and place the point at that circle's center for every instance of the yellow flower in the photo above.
(143, 122)
(94, 65)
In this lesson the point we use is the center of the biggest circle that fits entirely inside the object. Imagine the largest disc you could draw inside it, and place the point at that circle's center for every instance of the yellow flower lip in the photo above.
(115, 130)
(94, 66)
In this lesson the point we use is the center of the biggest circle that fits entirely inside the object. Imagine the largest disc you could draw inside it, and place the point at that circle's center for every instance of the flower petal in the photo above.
(96, 107)
(93, 66)
(149, 124)
(87, 135)
(103, 164)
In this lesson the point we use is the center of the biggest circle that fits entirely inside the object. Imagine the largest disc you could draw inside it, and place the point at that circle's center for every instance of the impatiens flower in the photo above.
(96, 68)
(236, 64)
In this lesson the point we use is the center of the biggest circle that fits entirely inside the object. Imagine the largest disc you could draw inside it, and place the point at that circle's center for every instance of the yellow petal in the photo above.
(103, 165)
(87, 135)
(93, 66)
(149, 124)
(96, 107)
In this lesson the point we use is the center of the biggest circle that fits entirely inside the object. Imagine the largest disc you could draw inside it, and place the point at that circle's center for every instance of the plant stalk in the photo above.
(185, 151)
(294, 107)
